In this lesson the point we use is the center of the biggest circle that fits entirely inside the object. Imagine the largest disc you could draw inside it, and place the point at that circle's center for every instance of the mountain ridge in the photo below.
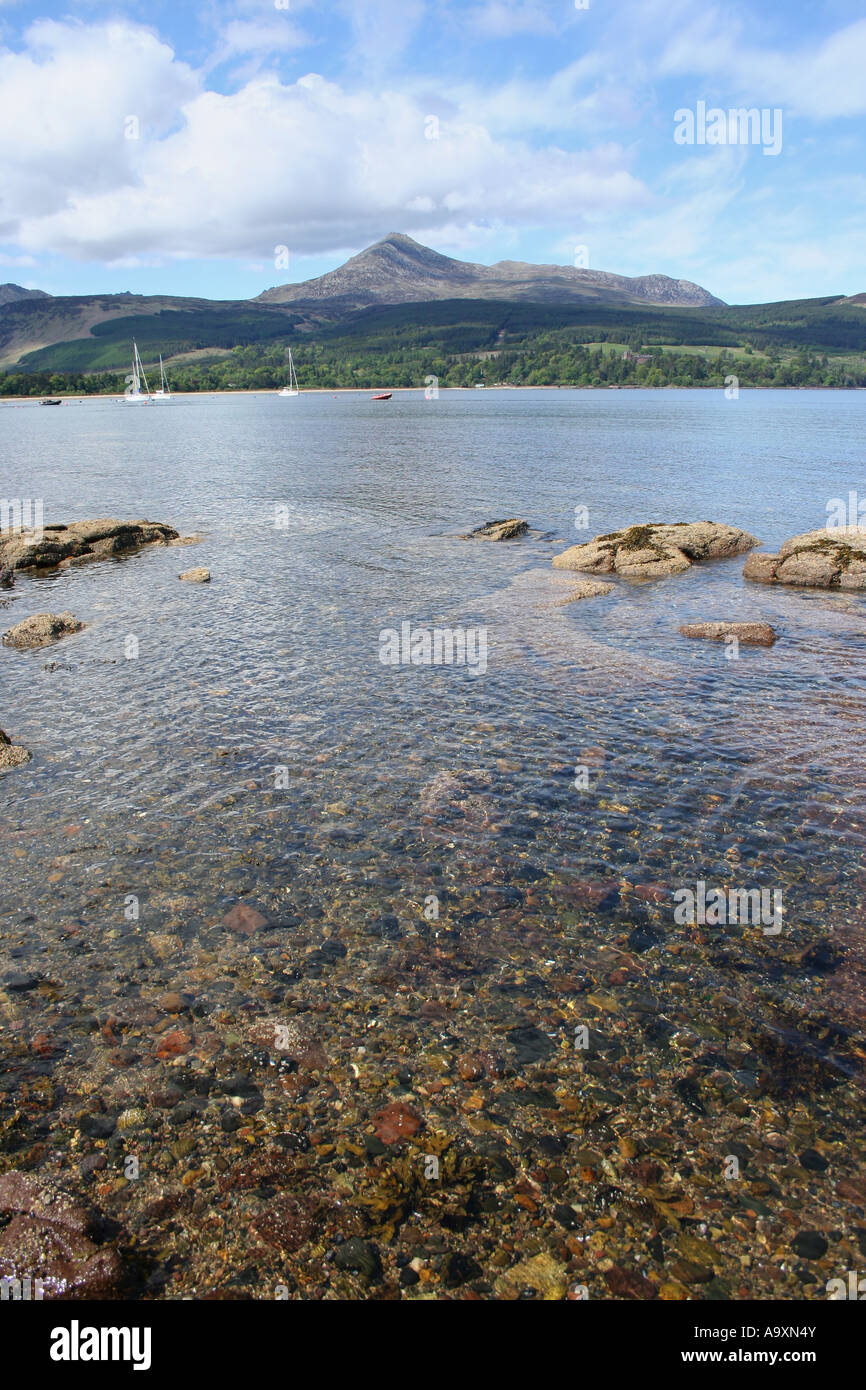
(399, 270)
(398, 291)
(14, 294)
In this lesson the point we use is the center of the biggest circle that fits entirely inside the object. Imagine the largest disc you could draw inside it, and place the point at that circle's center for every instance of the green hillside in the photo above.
(171, 331)
(463, 342)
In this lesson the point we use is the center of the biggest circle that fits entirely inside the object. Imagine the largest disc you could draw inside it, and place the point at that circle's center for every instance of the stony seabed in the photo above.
(420, 1026)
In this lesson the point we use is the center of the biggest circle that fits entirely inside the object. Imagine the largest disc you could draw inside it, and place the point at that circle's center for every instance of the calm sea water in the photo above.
(277, 662)
(158, 776)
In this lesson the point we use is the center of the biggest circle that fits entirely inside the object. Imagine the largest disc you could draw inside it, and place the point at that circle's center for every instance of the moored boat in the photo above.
(164, 393)
(292, 389)
(133, 394)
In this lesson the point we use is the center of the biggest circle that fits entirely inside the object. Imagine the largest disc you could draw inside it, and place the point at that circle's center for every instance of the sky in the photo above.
(218, 147)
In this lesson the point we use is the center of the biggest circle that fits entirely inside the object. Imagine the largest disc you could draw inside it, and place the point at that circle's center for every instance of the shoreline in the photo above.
(415, 391)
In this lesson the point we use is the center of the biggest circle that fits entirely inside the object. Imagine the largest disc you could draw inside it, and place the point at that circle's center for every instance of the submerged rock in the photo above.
(245, 918)
(50, 1237)
(455, 801)
(588, 588)
(831, 558)
(359, 1255)
(507, 530)
(10, 755)
(447, 792)
(40, 630)
(810, 1245)
(55, 546)
(395, 1122)
(196, 576)
(750, 634)
(656, 549)
(541, 1277)
(630, 1283)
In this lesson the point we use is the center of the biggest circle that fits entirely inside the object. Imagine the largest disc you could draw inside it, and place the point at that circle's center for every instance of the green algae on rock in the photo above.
(831, 558)
(40, 630)
(507, 530)
(655, 549)
(57, 546)
(10, 754)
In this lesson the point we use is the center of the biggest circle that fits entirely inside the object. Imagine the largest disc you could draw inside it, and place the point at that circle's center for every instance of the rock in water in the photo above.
(50, 1237)
(750, 634)
(360, 1255)
(544, 1276)
(53, 546)
(455, 801)
(629, 1283)
(588, 588)
(40, 630)
(395, 1122)
(10, 756)
(245, 918)
(656, 549)
(446, 792)
(196, 576)
(810, 1245)
(832, 558)
(498, 530)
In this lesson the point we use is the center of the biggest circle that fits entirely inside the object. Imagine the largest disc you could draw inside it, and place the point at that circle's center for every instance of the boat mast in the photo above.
(141, 370)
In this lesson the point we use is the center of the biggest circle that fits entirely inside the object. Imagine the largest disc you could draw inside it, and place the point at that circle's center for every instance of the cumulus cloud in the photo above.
(65, 109)
(308, 164)
(325, 165)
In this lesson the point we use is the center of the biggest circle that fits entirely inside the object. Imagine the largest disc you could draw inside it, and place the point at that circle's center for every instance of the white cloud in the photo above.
(705, 223)
(325, 166)
(309, 164)
(383, 29)
(243, 36)
(577, 98)
(676, 228)
(65, 105)
(502, 19)
(822, 81)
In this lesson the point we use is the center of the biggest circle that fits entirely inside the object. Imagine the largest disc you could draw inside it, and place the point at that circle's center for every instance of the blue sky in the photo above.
(181, 152)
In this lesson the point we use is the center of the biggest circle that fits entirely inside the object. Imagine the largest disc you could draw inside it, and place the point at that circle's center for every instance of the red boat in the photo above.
(386, 396)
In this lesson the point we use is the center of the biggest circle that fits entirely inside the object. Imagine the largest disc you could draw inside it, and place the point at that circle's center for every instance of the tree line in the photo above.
(548, 361)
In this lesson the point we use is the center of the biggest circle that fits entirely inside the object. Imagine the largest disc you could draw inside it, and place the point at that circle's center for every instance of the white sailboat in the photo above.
(134, 394)
(164, 392)
(292, 389)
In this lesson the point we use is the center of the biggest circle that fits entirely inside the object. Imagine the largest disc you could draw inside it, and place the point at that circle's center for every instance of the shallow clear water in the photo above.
(157, 776)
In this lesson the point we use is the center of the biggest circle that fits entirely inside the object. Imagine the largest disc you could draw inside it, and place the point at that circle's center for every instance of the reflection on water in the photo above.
(457, 871)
